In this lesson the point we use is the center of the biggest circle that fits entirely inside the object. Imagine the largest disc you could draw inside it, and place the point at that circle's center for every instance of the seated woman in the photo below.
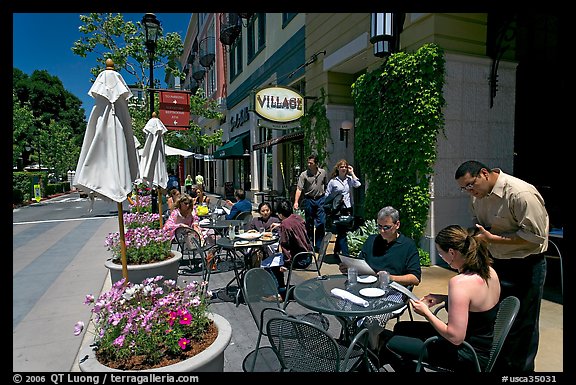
(473, 297)
(173, 196)
(183, 214)
(293, 239)
(201, 198)
(262, 224)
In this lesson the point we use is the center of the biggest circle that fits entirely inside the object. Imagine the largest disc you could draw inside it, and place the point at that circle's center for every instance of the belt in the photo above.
(316, 198)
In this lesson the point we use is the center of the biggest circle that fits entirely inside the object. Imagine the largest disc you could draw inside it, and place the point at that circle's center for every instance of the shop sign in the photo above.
(239, 119)
(279, 104)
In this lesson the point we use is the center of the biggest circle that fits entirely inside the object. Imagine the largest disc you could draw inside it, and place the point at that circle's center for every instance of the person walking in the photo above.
(199, 179)
(510, 215)
(188, 182)
(311, 187)
(472, 304)
(342, 181)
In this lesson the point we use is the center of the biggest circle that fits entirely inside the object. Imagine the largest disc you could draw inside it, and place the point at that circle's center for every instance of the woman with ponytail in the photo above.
(471, 302)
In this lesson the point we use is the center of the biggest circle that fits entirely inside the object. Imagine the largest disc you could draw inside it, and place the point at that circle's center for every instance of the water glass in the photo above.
(232, 233)
(352, 275)
(383, 279)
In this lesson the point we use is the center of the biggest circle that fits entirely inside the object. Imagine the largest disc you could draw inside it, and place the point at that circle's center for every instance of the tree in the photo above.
(44, 96)
(110, 36)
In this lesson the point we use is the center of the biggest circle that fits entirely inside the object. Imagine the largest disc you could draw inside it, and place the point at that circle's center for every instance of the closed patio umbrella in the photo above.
(153, 162)
(108, 163)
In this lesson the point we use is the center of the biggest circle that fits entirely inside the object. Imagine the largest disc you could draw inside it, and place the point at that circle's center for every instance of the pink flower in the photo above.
(185, 318)
(183, 342)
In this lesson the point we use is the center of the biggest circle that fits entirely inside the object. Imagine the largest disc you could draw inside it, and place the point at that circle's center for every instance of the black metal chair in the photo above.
(261, 295)
(304, 347)
(317, 260)
(507, 313)
(191, 251)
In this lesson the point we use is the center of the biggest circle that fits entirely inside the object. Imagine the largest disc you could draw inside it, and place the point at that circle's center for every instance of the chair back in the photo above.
(260, 292)
(207, 265)
(507, 313)
(183, 236)
(302, 346)
(245, 216)
(323, 249)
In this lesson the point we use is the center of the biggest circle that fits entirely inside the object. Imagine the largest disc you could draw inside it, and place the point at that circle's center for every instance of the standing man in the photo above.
(312, 183)
(510, 215)
(200, 181)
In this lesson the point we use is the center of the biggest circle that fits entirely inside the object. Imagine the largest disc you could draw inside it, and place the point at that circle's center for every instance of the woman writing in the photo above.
(342, 181)
(473, 296)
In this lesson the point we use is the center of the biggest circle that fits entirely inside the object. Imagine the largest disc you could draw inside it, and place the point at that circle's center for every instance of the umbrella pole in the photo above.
(160, 204)
(122, 243)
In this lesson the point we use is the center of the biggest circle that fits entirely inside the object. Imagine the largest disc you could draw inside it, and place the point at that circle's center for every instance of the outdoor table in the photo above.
(315, 294)
(221, 226)
(235, 249)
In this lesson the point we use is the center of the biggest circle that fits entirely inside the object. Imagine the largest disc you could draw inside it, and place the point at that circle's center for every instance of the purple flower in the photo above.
(78, 328)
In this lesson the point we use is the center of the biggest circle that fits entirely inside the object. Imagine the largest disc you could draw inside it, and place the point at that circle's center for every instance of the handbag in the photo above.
(202, 210)
(344, 221)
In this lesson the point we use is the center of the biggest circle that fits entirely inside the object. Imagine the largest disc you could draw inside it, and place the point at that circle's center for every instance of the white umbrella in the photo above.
(153, 161)
(108, 163)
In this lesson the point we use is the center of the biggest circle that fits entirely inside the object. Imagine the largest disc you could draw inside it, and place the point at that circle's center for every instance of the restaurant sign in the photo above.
(279, 104)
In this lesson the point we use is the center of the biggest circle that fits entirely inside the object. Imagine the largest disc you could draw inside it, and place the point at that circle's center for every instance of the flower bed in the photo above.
(148, 325)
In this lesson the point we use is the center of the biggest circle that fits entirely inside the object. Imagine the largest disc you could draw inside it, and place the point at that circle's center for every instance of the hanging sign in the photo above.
(279, 104)
(175, 109)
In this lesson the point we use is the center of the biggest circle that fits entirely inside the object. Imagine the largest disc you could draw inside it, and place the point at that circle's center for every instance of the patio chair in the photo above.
(261, 295)
(304, 347)
(317, 260)
(507, 313)
(190, 250)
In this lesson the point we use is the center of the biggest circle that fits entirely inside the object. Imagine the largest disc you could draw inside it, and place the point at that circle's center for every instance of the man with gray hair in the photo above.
(393, 252)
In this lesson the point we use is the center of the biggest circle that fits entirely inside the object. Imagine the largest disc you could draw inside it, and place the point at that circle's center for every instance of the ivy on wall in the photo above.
(399, 114)
(316, 127)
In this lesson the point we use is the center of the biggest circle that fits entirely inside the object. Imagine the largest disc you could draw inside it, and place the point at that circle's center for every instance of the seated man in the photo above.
(392, 252)
(293, 240)
(242, 204)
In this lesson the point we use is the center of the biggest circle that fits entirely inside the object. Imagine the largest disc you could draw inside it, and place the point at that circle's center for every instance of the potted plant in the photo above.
(153, 326)
(148, 249)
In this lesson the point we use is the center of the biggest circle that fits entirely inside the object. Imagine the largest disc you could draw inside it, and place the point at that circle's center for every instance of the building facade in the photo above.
(489, 103)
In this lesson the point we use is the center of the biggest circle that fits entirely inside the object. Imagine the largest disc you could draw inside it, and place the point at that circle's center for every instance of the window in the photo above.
(287, 18)
(256, 35)
(236, 58)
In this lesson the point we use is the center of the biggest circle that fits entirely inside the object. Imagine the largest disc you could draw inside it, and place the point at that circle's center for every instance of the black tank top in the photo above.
(479, 334)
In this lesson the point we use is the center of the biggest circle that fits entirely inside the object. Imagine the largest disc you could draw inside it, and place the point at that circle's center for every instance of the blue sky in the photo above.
(43, 41)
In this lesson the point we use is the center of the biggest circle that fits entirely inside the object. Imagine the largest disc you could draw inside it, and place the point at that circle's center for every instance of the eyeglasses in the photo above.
(469, 186)
(385, 227)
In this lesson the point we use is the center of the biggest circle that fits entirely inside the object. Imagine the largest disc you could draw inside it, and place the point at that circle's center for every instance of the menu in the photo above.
(404, 290)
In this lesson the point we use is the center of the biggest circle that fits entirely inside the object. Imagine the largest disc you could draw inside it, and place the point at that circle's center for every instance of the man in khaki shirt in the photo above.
(510, 215)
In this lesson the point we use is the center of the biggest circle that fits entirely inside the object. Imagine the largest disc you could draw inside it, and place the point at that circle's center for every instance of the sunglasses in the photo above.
(385, 227)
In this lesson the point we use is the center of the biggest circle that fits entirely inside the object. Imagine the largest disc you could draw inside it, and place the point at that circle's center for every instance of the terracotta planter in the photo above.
(210, 360)
(137, 273)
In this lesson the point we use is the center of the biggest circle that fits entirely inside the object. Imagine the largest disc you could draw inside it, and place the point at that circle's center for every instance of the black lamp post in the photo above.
(152, 29)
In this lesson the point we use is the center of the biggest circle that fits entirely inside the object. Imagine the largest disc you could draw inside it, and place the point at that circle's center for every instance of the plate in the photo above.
(248, 236)
(372, 292)
(241, 242)
(367, 279)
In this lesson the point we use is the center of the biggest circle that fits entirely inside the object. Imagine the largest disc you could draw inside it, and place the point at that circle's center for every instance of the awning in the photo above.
(281, 139)
(171, 151)
(234, 148)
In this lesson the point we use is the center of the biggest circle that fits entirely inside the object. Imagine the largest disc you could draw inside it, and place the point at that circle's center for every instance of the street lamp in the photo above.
(152, 29)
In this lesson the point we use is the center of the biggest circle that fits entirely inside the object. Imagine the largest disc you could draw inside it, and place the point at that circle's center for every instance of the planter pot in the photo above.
(137, 273)
(210, 360)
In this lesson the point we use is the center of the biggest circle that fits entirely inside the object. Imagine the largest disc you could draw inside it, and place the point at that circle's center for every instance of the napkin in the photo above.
(204, 221)
(349, 296)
